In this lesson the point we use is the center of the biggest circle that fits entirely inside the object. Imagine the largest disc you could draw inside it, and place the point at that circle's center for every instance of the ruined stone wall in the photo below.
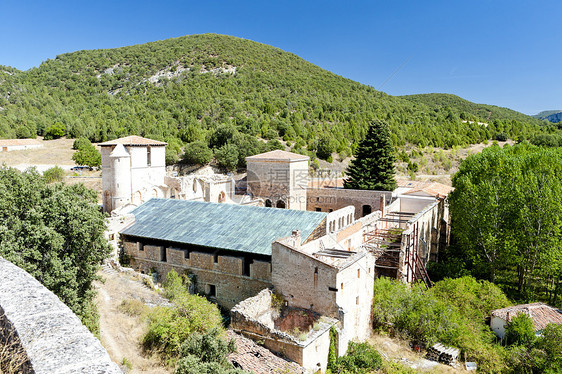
(304, 281)
(331, 199)
(222, 275)
(54, 339)
(254, 318)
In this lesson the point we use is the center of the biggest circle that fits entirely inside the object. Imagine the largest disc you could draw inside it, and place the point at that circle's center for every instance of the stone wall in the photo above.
(220, 276)
(53, 338)
(304, 281)
(331, 199)
(254, 318)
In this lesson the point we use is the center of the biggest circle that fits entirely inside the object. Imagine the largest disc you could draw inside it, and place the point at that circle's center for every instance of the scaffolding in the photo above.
(390, 245)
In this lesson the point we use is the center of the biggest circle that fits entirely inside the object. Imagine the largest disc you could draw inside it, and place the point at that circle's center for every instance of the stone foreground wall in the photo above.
(54, 339)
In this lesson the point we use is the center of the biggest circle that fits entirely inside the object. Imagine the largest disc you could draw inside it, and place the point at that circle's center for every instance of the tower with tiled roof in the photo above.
(133, 171)
(280, 178)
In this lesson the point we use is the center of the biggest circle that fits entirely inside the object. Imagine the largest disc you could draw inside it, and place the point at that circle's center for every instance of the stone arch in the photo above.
(268, 203)
(137, 198)
(281, 204)
(222, 197)
(154, 192)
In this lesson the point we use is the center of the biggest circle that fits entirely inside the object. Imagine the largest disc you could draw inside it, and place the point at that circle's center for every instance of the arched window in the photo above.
(222, 197)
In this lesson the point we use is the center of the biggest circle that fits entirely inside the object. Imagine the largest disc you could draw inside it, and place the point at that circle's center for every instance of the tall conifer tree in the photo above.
(373, 166)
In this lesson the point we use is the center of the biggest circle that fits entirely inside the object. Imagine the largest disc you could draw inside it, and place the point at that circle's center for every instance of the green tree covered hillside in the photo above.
(468, 110)
(182, 90)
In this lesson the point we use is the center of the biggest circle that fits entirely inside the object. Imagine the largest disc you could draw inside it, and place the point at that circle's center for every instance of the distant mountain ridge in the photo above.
(554, 118)
(546, 113)
(185, 89)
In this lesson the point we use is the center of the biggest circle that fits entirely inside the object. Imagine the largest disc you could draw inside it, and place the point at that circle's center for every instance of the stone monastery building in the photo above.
(290, 259)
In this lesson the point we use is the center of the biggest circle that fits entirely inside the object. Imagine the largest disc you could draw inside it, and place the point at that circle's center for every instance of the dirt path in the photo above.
(120, 332)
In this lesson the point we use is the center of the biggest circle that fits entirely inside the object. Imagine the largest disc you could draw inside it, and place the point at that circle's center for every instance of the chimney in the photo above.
(296, 235)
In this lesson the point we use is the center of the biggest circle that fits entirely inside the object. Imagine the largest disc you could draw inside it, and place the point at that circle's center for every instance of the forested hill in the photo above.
(546, 113)
(184, 89)
(486, 113)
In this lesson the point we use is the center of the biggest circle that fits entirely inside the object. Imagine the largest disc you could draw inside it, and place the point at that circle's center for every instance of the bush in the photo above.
(227, 157)
(55, 131)
(87, 155)
(132, 307)
(326, 146)
(170, 326)
(23, 132)
(543, 356)
(520, 331)
(501, 137)
(54, 174)
(197, 153)
(206, 353)
(81, 143)
(360, 358)
(436, 315)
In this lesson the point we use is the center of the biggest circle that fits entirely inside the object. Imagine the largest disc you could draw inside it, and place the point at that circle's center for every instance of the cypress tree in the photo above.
(373, 166)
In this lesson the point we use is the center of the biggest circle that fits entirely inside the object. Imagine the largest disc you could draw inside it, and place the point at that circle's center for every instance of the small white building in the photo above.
(7, 145)
(540, 313)
(134, 171)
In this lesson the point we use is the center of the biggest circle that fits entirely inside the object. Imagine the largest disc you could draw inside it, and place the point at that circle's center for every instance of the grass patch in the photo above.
(133, 307)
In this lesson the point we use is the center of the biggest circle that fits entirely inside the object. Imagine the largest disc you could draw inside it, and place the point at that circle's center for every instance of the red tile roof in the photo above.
(436, 189)
(279, 155)
(133, 140)
(540, 313)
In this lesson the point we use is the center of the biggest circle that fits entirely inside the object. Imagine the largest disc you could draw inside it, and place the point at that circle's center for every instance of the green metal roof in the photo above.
(235, 227)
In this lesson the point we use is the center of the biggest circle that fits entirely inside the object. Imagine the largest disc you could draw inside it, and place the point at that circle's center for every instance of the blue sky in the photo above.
(506, 53)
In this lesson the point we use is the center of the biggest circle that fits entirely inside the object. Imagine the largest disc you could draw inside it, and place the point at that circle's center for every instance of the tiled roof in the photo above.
(10, 142)
(540, 313)
(431, 188)
(235, 227)
(277, 155)
(251, 356)
(132, 140)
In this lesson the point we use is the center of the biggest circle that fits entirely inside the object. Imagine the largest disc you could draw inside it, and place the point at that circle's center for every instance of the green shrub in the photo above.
(197, 153)
(132, 307)
(206, 353)
(81, 143)
(55, 131)
(23, 132)
(170, 326)
(87, 153)
(520, 331)
(54, 174)
(227, 157)
(441, 315)
(361, 358)
(543, 356)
